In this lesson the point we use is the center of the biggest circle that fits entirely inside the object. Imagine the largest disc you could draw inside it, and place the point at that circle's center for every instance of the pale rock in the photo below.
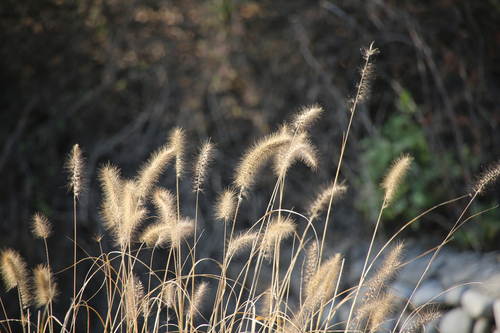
(456, 321)
(476, 304)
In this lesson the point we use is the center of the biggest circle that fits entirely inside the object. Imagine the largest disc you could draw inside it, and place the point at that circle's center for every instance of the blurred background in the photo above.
(115, 76)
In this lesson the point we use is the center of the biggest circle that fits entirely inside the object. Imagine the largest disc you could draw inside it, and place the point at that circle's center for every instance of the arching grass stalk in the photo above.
(367, 74)
(75, 166)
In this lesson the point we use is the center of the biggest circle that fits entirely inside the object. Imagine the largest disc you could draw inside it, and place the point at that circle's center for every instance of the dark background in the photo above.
(116, 76)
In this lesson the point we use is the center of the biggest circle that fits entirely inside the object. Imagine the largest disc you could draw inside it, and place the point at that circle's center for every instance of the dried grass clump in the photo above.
(259, 285)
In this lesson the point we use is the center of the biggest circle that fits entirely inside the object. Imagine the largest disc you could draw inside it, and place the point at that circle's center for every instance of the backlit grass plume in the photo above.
(306, 116)
(15, 275)
(322, 200)
(41, 226)
(276, 272)
(255, 158)
(45, 288)
(394, 177)
(75, 166)
(202, 164)
(153, 168)
(486, 178)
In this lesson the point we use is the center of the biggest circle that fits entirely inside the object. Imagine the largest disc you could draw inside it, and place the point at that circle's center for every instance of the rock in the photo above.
(456, 321)
(453, 296)
(482, 325)
(496, 311)
(477, 304)
(430, 291)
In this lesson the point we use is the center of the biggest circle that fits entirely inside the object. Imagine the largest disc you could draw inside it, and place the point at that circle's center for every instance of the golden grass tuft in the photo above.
(112, 186)
(164, 202)
(278, 229)
(177, 140)
(200, 294)
(240, 243)
(256, 157)
(15, 274)
(322, 200)
(151, 170)
(173, 296)
(45, 289)
(299, 149)
(225, 205)
(202, 165)
(133, 215)
(75, 166)
(156, 235)
(306, 117)
(394, 177)
(41, 226)
(385, 273)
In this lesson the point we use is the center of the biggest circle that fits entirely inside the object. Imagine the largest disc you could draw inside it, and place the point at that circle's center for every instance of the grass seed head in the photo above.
(486, 178)
(45, 289)
(75, 166)
(15, 274)
(203, 163)
(394, 177)
(225, 205)
(41, 226)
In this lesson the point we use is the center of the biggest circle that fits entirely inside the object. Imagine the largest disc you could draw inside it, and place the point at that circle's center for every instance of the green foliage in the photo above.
(483, 232)
(401, 133)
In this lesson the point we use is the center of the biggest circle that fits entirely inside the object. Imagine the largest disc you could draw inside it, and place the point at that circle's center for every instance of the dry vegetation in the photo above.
(117, 76)
(123, 290)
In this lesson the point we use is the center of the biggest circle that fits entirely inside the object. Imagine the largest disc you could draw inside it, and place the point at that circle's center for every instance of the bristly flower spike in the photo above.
(75, 166)
(202, 164)
(394, 177)
(41, 226)
(486, 178)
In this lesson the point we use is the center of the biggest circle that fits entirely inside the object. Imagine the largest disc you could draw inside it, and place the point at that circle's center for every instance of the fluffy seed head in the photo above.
(256, 157)
(112, 188)
(156, 235)
(395, 176)
(44, 286)
(41, 226)
(239, 243)
(319, 289)
(299, 149)
(199, 295)
(15, 273)
(134, 297)
(378, 283)
(322, 200)
(311, 263)
(202, 164)
(306, 116)
(486, 178)
(322, 284)
(278, 228)
(134, 213)
(181, 231)
(164, 202)
(152, 169)
(75, 166)
(225, 205)
(422, 319)
(372, 314)
(177, 141)
(168, 293)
